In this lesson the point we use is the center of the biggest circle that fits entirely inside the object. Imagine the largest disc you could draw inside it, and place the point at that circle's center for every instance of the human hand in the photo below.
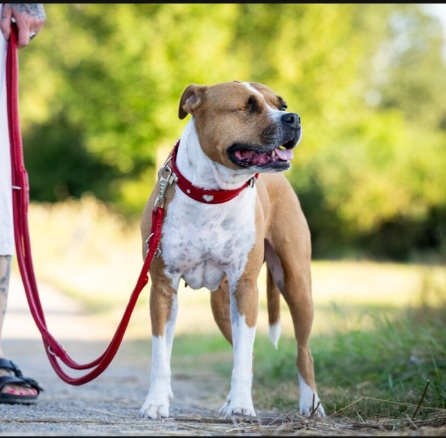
(29, 18)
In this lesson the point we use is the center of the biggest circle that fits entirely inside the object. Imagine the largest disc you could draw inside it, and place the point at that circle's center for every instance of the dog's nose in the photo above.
(291, 118)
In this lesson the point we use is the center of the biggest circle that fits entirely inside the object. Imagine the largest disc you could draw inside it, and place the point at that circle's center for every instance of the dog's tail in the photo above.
(273, 301)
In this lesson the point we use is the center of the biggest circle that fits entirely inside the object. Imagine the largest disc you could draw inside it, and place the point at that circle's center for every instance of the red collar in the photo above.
(207, 196)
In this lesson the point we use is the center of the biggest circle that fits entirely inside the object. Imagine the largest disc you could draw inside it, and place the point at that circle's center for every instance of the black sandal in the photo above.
(17, 379)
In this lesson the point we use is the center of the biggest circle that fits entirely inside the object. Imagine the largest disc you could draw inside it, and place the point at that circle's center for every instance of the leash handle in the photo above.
(20, 185)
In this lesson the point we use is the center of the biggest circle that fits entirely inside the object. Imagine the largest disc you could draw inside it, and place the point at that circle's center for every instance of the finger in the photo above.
(5, 21)
(24, 33)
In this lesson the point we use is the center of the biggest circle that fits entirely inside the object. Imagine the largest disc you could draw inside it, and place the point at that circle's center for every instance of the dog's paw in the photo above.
(313, 407)
(154, 411)
(229, 409)
(307, 411)
(309, 402)
(156, 407)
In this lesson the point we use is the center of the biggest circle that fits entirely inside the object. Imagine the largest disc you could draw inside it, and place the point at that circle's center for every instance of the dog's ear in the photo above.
(191, 99)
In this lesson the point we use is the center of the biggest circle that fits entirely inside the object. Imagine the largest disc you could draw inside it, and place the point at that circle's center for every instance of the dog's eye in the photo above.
(252, 106)
(282, 104)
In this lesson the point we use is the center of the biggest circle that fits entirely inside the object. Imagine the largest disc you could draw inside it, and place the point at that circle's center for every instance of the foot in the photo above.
(14, 386)
(309, 402)
(241, 405)
(157, 403)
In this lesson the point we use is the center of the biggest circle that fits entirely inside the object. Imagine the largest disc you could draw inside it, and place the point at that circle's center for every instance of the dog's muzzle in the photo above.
(275, 153)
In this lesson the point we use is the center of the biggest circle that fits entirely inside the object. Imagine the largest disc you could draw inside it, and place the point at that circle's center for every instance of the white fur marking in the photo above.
(275, 113)
(158, 399)
(239, 400)
(275, 331)
(306, 400)
(251, 88)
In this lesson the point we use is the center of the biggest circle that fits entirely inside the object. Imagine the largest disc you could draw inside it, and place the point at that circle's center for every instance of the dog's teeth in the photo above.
(273, 153)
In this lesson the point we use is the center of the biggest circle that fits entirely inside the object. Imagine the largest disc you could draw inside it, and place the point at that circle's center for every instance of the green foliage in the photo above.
(100, 86)
(362, 191)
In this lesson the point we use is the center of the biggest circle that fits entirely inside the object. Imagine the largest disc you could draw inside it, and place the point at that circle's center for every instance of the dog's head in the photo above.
(242, 125)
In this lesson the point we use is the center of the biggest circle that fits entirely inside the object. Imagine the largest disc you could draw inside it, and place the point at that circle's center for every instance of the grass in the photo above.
(379, 332)
(387, 367)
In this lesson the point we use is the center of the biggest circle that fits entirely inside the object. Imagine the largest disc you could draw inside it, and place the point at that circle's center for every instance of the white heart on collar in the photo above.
(208, 198)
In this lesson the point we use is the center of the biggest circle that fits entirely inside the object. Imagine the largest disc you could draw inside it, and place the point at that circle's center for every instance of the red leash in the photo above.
(53, 349)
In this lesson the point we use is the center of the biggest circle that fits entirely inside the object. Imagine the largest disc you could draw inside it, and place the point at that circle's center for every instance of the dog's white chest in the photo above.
(201, 243)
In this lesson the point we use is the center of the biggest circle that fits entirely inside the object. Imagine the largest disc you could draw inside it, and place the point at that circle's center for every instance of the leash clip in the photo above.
(164, 182)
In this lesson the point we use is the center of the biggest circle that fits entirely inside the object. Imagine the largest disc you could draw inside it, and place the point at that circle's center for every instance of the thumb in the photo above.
(5, 21)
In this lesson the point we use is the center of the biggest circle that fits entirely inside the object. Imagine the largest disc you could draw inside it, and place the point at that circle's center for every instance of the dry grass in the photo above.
(292, 424)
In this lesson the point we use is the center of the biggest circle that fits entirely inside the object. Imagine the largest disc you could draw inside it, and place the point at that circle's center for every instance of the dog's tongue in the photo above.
(284, 154)
(252, 158)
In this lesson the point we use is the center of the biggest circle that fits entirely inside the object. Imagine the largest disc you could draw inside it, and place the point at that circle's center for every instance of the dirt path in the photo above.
(109, 404)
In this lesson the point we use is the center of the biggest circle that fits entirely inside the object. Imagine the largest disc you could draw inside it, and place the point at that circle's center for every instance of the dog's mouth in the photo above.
(274, 158)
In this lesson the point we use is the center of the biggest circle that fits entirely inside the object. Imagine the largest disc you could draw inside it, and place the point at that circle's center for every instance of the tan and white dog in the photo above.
(227, 211)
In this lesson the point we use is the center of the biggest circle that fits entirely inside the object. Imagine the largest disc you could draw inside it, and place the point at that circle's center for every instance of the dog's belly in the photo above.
(202, 243)
(203, 274)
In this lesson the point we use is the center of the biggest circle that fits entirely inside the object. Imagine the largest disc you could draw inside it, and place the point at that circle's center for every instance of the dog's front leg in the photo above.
(163, 311)
(243, 310)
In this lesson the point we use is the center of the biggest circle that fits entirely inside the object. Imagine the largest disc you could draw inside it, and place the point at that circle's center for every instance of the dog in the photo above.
(228, 208)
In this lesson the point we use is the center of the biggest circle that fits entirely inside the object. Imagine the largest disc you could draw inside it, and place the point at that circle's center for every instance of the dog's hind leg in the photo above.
(163, 312)
(220, 305)
(288, 256)
(297, 295)
(294, 282)
(274, 276)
